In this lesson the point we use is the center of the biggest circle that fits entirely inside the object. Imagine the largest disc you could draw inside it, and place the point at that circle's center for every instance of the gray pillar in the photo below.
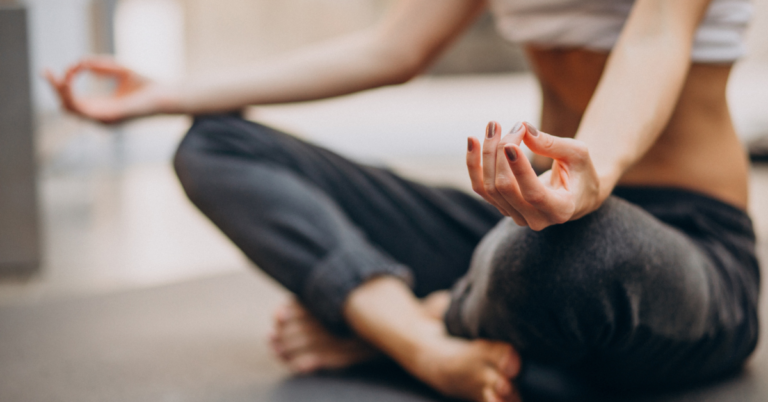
(19, 234)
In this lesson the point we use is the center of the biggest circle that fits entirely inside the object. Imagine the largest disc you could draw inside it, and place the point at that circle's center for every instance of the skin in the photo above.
(643, 115)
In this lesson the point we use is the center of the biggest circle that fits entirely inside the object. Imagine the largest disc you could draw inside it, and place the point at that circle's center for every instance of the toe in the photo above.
(490, 396)
(502, 387)
(305, 363)
(507, 360)
(281, 315)
(296, 343)
(510, 365)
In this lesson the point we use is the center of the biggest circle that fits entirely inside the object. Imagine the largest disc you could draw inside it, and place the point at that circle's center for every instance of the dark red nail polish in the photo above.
(490, 130)
(531, 129)
(470, 145)
(511, 153)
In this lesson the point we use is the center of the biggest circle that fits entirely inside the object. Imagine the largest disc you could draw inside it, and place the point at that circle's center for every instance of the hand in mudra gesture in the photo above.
(504, 177)
(133, 96)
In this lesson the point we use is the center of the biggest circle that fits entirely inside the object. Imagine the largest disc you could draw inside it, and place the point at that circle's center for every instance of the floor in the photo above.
(117, 225)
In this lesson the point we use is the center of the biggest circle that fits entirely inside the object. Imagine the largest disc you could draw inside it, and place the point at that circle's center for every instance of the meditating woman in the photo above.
(629, 262)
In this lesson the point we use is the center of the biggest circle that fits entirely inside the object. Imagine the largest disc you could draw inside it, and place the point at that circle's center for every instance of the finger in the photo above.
(505, 181)
(531, 188)
(105, 66)
(72, 72)
(489, 157)
(474, 167)
(485, 186)
(65, 93)
(58, 86)
(548, 202)
(563, 149)
(103, 62)
(490, 144)
(51, 78)
(515, 135)
(508, 190)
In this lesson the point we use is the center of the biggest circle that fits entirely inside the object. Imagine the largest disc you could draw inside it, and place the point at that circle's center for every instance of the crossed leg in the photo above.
(357, 245)
(619, 298)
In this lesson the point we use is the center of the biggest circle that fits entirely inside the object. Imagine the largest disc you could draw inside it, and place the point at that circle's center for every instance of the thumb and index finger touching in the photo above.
(563, 149)
(512, 166)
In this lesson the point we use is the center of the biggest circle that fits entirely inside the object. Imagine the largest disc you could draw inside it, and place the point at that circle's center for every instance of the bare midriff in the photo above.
(698, 150)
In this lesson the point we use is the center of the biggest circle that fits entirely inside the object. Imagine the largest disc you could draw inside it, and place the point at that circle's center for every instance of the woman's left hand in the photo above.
(503, 176)
(134, 95)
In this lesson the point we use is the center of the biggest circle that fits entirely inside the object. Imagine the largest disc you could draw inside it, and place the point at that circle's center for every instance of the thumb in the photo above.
(563, 149)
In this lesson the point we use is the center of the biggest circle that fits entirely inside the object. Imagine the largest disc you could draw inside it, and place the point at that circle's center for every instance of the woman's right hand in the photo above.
(504, 177)
(134, 95)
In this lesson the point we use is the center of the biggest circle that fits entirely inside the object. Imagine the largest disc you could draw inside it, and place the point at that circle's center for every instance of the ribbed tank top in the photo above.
(596, 25)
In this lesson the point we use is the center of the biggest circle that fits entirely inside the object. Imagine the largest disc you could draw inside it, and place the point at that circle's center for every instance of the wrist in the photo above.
(608, 172)
(166, 99)
(607, 182)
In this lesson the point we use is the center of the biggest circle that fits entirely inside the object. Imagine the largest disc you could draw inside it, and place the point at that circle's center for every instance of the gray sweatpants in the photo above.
(620, 297)
(658, 287)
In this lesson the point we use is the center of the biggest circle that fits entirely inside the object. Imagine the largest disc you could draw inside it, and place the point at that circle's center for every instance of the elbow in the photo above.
(401, 65)
(406, 73)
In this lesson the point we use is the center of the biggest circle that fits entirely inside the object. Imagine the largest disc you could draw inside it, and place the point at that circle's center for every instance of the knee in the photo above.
(188, 156)
(578, 257)
(206, 136)
(197, 151)
(536, 270)
(590, 274)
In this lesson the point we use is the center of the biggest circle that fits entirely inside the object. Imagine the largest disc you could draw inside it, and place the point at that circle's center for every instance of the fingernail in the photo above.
(511, 153)
(531, 129)
(490, 130)
(470, 145)
(516, 127)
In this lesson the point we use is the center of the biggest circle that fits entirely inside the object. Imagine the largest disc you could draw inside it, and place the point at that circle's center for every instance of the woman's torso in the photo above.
(568, 43)
(698, 150)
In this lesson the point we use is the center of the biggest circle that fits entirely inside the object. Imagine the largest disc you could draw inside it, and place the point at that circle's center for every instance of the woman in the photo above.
(655, 285)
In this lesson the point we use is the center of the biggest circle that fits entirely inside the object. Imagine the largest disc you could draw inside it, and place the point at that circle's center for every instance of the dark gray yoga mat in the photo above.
(202, 341)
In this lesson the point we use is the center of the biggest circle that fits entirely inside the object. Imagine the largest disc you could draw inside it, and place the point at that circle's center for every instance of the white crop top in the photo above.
(596, 25)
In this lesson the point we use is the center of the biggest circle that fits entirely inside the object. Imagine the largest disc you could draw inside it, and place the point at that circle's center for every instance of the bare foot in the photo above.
(306, 346)
(476, 370)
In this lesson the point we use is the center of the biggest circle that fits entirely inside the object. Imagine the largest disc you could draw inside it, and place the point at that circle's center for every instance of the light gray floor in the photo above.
(202, 341)
(141, 298)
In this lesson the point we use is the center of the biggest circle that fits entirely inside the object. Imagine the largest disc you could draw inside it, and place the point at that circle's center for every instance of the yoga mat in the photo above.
(202, 341)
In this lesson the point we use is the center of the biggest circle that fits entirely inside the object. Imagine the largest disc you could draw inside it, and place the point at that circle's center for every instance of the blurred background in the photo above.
(114, 287)
(106, 210)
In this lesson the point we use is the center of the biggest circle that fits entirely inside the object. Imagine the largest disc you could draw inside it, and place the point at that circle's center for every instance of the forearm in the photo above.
(411, 34)
(338, 67)
(631, 107)
(640, 87)
(399, 47)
